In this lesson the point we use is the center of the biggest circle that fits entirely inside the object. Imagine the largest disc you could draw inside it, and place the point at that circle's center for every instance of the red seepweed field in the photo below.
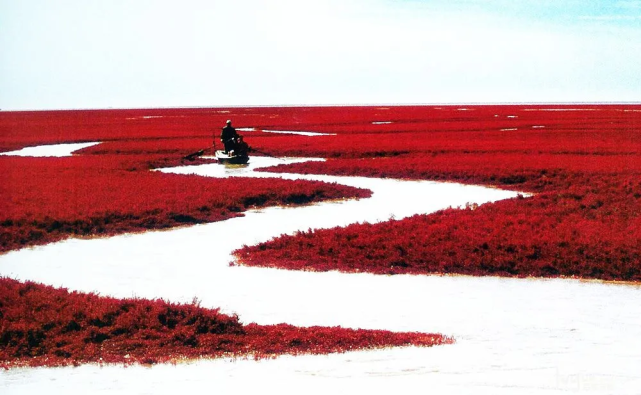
(49, 199)
(42, 325)
(580, 162)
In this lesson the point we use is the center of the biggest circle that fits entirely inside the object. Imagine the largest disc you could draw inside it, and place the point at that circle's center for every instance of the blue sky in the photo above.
(160, 53)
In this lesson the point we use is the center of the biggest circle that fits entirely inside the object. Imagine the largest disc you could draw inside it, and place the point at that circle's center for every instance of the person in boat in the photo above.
(229, 137)
(242, 148)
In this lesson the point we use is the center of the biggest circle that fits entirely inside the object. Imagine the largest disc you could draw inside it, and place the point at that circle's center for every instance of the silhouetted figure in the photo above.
(242, 148)
(229, 136)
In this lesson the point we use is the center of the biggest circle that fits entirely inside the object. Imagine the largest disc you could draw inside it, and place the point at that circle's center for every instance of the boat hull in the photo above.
(224, 158)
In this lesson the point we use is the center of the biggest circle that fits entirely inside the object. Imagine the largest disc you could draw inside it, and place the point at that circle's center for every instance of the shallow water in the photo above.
(513, 335)
(299, 132)
(56, 150)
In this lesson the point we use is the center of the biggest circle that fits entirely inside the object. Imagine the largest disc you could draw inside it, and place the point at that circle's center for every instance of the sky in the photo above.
(196, 53)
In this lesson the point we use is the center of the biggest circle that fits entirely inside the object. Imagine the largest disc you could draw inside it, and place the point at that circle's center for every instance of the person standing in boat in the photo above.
(229, 136)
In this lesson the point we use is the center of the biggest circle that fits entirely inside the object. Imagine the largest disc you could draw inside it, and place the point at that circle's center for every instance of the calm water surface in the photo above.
(526, 336)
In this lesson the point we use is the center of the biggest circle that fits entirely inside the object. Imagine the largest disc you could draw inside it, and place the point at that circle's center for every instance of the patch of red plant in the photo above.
(584, 220)
(592, 230)
(168, 147)
(581, 160)
(526, 171)
(45, 326)
(395, 143)
(48, 199)
(26, 128)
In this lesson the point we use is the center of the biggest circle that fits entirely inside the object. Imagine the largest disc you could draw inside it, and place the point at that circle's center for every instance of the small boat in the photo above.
(231, 158)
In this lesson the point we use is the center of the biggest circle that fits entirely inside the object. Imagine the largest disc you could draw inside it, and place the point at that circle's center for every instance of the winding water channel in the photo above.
(528, 336)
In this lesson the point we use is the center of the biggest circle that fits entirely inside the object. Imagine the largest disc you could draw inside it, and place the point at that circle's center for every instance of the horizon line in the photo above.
(449, 104)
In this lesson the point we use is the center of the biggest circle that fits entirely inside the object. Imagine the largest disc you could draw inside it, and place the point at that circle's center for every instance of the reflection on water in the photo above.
(513, 335)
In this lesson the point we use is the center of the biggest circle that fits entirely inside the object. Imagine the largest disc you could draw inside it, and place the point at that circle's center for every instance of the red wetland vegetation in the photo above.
(49, 199)
(580, 162)
(42, 325)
